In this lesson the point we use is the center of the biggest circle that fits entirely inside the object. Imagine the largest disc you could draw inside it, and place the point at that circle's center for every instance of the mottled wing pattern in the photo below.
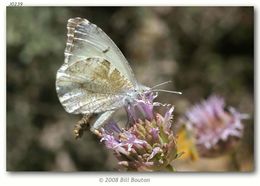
(87, 40)
(92, 85)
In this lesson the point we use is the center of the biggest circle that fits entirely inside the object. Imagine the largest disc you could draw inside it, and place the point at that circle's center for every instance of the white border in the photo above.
(83, 179)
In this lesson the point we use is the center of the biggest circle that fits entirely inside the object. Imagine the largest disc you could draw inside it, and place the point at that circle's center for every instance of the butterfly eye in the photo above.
(127, 101)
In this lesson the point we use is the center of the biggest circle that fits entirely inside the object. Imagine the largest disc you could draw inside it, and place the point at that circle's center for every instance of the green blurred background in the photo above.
(203, 50)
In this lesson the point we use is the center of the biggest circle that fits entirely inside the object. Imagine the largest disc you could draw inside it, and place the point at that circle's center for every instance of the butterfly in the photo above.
(95, 79)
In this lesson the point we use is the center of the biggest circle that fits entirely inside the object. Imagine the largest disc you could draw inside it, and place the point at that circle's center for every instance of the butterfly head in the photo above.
(137, 93)
(141, 92)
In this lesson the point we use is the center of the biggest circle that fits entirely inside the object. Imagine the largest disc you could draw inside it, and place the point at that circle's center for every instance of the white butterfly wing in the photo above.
(92, 85)
(101, 120)
(87, 40)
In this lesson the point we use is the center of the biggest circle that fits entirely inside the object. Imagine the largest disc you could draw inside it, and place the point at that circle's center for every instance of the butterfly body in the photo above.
(95, 77)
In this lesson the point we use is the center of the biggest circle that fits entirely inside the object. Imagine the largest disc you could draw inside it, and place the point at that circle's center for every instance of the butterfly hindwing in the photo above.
(92, 85)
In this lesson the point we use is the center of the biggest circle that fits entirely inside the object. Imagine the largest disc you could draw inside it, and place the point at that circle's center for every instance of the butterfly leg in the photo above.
(101, 121)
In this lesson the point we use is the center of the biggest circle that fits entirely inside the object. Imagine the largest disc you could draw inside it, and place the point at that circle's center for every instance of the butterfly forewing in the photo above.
(87, 40)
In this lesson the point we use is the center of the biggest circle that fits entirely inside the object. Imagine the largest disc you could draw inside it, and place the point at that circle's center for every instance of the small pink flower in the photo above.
(212, 126)
(148, 144)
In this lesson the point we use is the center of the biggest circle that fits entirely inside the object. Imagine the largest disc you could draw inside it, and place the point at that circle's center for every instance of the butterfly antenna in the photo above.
(160, 84)
(168, 91)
